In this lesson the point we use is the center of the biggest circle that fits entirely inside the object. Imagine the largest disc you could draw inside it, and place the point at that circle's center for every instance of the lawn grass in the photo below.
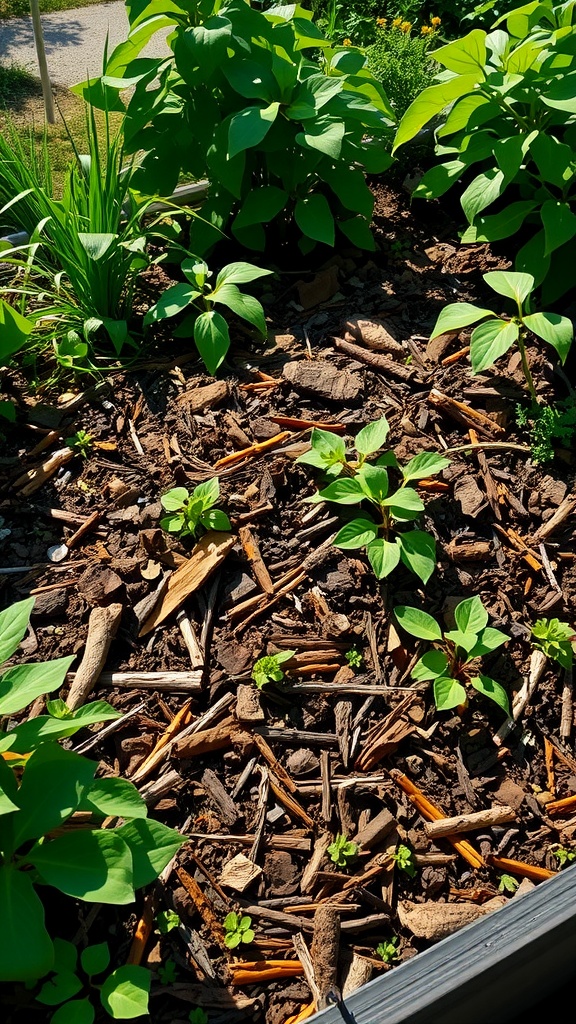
(19, 8)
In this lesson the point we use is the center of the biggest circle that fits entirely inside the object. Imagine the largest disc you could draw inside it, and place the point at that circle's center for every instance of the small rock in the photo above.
(510, 794)
(434, 921)
(471, 498)
(239, 873)
(248, 707)
(281, 874)
(322, 378)
(50, 605)
(302, 761)
(205, 397)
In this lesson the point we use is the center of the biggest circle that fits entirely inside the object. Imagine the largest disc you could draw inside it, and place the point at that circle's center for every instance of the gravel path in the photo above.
(74, 41)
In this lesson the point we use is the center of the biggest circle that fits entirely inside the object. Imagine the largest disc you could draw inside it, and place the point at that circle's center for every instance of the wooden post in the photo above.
(42, 64)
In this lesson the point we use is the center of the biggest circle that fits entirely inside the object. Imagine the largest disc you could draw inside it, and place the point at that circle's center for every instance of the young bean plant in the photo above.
(189, 513)
(452, 661)
(362, 482)
(342, 851)
(495, 335)
(554, 639)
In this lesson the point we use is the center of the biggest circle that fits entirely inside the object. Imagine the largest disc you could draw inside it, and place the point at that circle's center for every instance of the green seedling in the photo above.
(388, 950)
(451, 663)
(166, 921)
(167, 972)
(122, 994)
(354, 658)
(82, 442)
(497, 334)
(549, 427)
(508, 884)
(198, 297)
(238, 929)
(361, 481)
(404, 859)
(198, 1016)
(189, 513)
(555, 640)
(563, 856)
(267, 669)
(342, 851)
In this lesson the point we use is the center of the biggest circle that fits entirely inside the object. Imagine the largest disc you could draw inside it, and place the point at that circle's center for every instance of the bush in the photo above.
(402, 62)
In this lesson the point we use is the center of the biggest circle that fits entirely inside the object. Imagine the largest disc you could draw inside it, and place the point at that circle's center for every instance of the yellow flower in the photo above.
(397, 22)
(381, 22)
(426, 30)
(405, 27)
(347, 42)
(435, 22)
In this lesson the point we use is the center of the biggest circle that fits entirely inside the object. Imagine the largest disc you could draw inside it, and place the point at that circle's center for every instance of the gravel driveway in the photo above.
(74, 41)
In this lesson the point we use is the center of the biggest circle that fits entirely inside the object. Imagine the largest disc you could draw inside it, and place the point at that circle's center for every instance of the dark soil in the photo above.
(155, 428)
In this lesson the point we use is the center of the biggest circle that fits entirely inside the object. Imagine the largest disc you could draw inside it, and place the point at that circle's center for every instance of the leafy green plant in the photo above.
(451, 663)
(403, 857)
(496, 335)
(547, 424)
(555, 639)
(197, 298)
(285, 140)
(504, 108)
(198, 1016)
(237, 930)
(41, 786)
(123, 994)
(563, 856)
(167, 972)
(361, 481)
(388, 950)
(354, 658)
(166, 921)
(189, 513)
(267, 669)
(82, 442)
(15, 331)
(342, 852)
(401, 60)
(508, 883)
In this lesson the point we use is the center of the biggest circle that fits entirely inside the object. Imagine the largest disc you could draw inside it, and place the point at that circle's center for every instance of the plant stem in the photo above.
(525, 366)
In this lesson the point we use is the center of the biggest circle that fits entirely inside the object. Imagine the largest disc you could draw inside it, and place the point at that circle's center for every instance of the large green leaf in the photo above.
(152, 845)
(14, 330)
(557, 330)
(418, 553)
(489, 639)
(383, 556)
(94, 865)
(466, 56)
(429, 103)
(212, 339)
(312, 95)
(13, 624)
(202, 46)
(38, 730)
(470, 615)
(493, 227)
(430, 666)
(448, 693)
(251, 79)
(314, 218)
(77, 1011)
(458, 315)
(349, 184)
(418, 623)
(125, 992)
(481, 192)
(562, 94)
(325, 134)
(8, 789)
(554, 159)
(114, 797)
(404, 504)
(357, 230)
(59, 988)
(53, 783)
(26, 951)
(356, 534)
(172, 301)
(374, 482)
(510, 283)
(21, 685)
(559, 224)
(260, 206)
(489, 341)
(249, 127)
(245, 306)
(495, 691)
(372, 437)
(345, 491)
(424, 465)
(240, 273)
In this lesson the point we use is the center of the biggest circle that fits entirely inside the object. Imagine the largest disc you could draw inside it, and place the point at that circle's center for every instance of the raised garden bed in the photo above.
(271, 777)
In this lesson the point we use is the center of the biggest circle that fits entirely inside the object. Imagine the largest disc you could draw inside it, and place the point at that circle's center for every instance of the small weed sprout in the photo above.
(198, 1016)
(547, 424)
(361, 481)
(267, 669)
(354, 658)
(388, 950)
(189, 513)
(166, 920)
(554, 639)
(508, 884)
(167, 972)
(82, 442)
(404, 859)
(563, 856)
(238, 929)
(450, 663)
(342, 851)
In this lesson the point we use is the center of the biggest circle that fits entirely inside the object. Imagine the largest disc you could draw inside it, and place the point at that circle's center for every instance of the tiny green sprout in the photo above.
(564, 856)
(82, 442)
(237, 930)
(380, 530)
(342, 851)
(198, 1016)
(354, 658)
(267, 669)
(450, 662)
(167, 972)
(554, 639)
(508, 883)
(388, 950)
(404, 859)
(190, 512)
(166, 921)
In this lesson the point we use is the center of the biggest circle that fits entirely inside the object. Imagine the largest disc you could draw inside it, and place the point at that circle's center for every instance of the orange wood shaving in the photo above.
(518, 867)
(142, 934)
(568, 803)
(304, 1014)
(253, 450)
(253, 973)
(455, 356)
(429, 811)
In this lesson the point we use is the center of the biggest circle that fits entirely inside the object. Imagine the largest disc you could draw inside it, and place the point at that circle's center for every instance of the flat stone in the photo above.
(322, 378)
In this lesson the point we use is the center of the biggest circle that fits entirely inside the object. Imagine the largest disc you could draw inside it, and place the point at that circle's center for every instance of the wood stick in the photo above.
(143, 931)
(465, 414)
(381, 363)
(468, 822)
(176, 682)
(564, 510)
(180, 720)
(259, 971)
(518, 867)
(568, 803)
(325, 953)
(219, 737)
(255, 449)
(549, 761)
(32, 479)
(455, 357)
(102, 628)
(252, 552)
(567, 706)
(188, 632)
(429, 811)
(303, 954)
(278, 769)
(291, 805)
(203, 905)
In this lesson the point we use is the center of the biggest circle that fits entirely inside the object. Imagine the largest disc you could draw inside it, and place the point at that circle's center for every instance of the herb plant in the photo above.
(123, 993)
(404, 860)
(267, 669)
(388, 950)
(401, 60)
(508, 883)
(198, 1016)
(452, 661)
(363, 482)
(548, 424)
(189, 513)
(197, 297)
(342, 852)
(354, 658)
(237, 930)
(505, 110)
(495, 335)
(166, 921)
(82, 442)
(284, 139)
(563, 856)
(555, 639)
(167, 972)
